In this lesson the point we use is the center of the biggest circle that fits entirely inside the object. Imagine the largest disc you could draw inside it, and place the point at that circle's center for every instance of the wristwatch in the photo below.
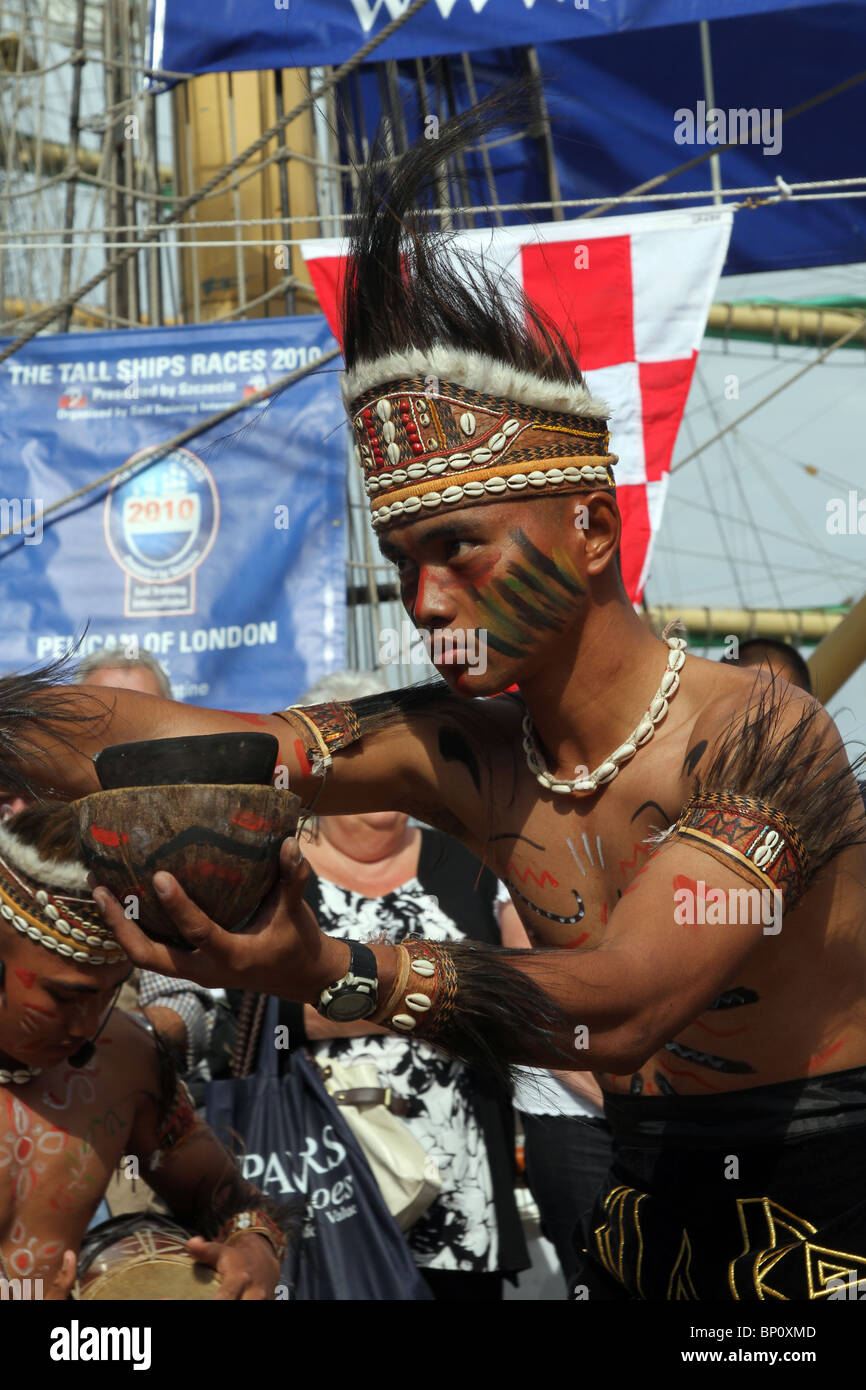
(356, 995)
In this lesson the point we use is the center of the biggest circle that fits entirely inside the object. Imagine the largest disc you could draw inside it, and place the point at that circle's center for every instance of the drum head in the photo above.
(142, 1259)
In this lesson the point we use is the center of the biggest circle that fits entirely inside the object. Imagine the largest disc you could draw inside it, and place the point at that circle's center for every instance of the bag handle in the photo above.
(362, 1095)
(371, 1095)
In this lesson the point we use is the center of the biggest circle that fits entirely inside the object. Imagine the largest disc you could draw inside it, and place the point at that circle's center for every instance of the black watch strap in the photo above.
(362, 961)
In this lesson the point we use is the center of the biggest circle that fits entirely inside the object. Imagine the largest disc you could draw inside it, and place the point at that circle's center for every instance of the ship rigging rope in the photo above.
(70, 300)
(806, 105)
(777, 391)
(776, 194)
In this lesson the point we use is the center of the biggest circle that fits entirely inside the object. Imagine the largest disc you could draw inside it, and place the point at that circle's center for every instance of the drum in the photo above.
(141, 1258)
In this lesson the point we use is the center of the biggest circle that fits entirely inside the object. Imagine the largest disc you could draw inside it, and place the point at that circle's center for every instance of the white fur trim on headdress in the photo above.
(50, 873)
(479, 373)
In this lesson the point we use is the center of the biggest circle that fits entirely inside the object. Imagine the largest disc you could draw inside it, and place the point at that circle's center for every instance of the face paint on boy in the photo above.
(536, 595)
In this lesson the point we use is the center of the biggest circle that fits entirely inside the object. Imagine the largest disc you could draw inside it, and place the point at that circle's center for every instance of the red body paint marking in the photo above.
(202, 869)
(248, 820)
(256, 719)
(46, 1013)
(303, 760)
(529, 872)
(630, 863)
(604, 914)
(109, 837)
(720, 1032)
(822, 1056)
(683, 881)
(419, 590)
(691, 1076)
(478, 574)
(27, 977)
(578, 941)
(633, 884)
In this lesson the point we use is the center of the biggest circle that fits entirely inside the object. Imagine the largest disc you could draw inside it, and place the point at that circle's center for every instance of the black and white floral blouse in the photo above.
(459, 1231)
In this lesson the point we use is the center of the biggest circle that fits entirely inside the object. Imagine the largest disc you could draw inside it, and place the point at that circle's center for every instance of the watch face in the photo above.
(346, 1008)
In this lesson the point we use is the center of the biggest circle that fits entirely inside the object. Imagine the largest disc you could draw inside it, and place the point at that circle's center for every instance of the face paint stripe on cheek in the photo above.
(420, 588)
(548, 566)
(530, 612)
(540, 589)
(500, 622)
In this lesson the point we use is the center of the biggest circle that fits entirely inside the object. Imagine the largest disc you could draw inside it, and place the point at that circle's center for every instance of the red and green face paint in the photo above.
(536, 595)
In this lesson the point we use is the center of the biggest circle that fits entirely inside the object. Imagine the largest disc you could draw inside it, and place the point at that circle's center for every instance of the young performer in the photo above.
(682, 840)
(82, 1088)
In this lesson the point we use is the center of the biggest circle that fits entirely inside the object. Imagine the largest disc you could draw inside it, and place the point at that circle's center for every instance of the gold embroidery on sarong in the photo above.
(767, 1229)
(623, 1231)
(680, 1286)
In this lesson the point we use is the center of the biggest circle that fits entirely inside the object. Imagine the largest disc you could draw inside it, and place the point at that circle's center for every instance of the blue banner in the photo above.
(194, 36)
(626, 106)
(226, 558)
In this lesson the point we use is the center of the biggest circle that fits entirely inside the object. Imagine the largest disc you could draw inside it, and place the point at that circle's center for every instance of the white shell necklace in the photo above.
(18, 1077)
(606, 771)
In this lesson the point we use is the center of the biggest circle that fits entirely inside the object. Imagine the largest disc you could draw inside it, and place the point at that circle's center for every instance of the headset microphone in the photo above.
(86, 1050)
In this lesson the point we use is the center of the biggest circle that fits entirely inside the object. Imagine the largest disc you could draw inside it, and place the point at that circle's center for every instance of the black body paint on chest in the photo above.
(542, 912)
(709, 1059)
(454, 749)
(734, 998)
(660, 809)
(693, 757)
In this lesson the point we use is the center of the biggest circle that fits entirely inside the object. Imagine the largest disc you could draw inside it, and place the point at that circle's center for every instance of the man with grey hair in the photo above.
(114, 667)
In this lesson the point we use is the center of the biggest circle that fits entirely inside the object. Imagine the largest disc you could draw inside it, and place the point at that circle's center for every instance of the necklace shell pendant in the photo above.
(607, 770)
(19, 1077)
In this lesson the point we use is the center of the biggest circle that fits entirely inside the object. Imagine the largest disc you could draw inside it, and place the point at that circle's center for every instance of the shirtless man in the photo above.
(730, 1041)
(67, 1120)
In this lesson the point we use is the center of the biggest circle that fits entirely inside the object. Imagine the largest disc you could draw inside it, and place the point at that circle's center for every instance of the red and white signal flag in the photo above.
(633, 295)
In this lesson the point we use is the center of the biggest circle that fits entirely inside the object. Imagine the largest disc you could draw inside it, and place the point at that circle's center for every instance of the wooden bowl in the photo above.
(222, 844)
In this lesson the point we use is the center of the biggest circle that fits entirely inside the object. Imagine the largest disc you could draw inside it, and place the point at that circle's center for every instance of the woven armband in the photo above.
(324, 729)
(424, 992)
(750, 836)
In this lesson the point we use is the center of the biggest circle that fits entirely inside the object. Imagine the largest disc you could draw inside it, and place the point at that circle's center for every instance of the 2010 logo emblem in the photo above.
(160, 525)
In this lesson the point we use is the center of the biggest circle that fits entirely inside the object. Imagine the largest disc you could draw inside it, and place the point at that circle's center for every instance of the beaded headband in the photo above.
(445, 428)
(64, 920)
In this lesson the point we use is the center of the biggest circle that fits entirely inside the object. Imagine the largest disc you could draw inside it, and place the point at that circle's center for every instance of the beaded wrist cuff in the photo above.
(755, 838)
(424, 993)
(254, 1222)
(325, 729)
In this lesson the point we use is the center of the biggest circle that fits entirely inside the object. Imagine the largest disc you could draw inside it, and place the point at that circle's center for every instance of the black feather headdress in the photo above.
(35, 706)
(404, 290)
